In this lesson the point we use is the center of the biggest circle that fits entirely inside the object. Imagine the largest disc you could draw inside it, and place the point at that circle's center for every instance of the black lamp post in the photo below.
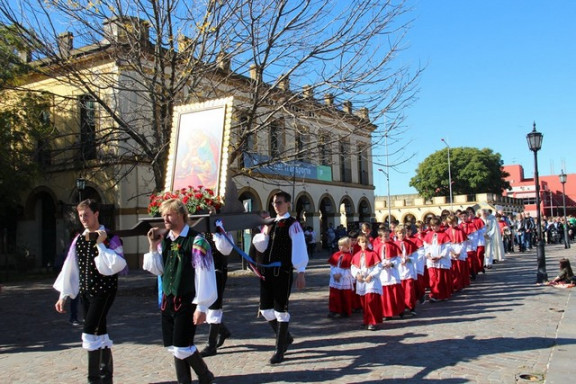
(80, 186)
(563, 178)
(534, 139)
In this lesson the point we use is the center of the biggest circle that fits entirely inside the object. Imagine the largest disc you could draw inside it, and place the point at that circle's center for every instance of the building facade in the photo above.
(328, 167)
(551, 192)
(411, 208)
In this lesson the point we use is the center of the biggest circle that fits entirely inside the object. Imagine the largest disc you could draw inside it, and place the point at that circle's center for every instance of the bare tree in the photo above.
(172, 52)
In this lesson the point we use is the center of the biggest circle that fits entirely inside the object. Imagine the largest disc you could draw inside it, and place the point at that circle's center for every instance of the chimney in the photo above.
(25, 55)
(308, 91)
(117, 30)
(255, 73)
(363, 113)
(329, 99)
(183, 43)
(347, 106)
(284, 82)
(65, 44)
(223, 61)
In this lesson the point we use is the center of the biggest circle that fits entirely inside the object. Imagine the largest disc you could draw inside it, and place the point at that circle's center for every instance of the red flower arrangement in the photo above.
(195, 199)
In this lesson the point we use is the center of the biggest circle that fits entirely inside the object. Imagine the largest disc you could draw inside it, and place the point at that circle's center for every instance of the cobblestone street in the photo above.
(501, 327)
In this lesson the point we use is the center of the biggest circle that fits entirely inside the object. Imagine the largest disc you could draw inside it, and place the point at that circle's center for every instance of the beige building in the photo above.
(329, 172)
(412, 208)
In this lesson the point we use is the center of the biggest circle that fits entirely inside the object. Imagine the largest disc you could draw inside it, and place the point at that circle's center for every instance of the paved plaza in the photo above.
(502, 329)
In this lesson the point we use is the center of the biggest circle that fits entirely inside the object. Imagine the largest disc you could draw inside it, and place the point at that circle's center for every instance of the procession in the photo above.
(382, 277)
(252, 191)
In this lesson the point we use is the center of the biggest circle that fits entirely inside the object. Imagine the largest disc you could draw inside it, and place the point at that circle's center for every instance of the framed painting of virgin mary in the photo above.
(198, 146)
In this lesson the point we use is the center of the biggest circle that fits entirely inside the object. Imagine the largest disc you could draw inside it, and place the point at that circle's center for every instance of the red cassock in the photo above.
(440, 278)
(340, 300)
(481, 248)
(356, 304)
(409, 284)
(393, 303)
(371, 305)
(370, 258)
(422, 282)
(501, 226)
(460, 270)
(478, 222)
(344, 263)
(473, 262)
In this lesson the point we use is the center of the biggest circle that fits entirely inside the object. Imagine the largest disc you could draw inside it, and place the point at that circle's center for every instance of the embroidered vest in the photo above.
(91, 281)
(178, 277)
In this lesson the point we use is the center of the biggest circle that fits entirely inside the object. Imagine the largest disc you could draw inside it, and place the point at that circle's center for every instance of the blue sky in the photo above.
(493, 67)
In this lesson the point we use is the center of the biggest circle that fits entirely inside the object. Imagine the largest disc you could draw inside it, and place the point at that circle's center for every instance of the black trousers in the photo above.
(178, 327)
(221, 278)
(275, 289)
(96, 309)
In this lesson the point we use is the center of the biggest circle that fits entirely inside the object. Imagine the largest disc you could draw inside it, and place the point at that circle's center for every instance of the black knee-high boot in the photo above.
(94, 367)
(281, 343)
(223, 335)
(274, 325)
(106, 365)
(183, 374)
(200, 368)
(211, 345)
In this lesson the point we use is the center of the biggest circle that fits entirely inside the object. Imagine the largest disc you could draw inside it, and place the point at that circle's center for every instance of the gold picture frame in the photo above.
(198, 146)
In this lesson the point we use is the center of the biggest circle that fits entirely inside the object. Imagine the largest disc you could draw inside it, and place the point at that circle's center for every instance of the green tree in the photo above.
(472, 171)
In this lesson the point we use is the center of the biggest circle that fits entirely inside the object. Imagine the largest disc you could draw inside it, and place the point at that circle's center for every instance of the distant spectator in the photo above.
(310, 237)
(331, 237)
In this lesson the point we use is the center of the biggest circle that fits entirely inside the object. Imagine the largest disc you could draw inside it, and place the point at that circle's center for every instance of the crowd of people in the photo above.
(521, 231)
(383, 274)
(386, 274)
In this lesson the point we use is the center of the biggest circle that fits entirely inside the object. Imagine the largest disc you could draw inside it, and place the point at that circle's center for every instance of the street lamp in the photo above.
(80, 186)
(534, 139)
(449, 176)
(563, 178)
(388, 188)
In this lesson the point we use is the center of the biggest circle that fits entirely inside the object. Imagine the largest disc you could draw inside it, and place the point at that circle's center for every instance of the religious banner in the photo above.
(198, 155)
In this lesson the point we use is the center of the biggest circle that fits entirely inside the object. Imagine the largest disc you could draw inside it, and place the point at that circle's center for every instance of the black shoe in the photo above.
(371, 327)
(210, 349)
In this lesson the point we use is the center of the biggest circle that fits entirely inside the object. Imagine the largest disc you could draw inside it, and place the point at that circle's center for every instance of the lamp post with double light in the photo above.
(449, 176)
(534, 139)
(563, 179)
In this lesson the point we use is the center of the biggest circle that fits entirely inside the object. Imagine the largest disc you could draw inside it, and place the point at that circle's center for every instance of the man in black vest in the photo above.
(282, 241)
(90, 272)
